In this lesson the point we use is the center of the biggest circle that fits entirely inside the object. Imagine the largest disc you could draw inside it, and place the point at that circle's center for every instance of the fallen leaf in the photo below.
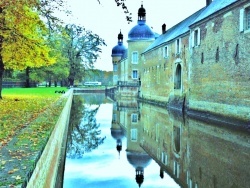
(11, 172)
(18, 177)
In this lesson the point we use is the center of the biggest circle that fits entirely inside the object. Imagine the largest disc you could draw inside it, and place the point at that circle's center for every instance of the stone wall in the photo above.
(159, 72)
(219, 81)
(45, 173)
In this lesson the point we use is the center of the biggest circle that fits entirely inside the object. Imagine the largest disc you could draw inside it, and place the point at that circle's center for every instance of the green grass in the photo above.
(27, 117)
(42, 91)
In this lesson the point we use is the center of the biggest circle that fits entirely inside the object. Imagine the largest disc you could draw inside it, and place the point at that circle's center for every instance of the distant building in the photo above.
(200, 64)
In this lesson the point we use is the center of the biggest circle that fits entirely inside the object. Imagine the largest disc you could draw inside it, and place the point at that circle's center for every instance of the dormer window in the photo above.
(165, 52)
(245, 19)
(178, 46)
(196, 37)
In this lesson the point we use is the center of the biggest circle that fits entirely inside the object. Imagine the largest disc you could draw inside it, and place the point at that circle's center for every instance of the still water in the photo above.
(128, 144)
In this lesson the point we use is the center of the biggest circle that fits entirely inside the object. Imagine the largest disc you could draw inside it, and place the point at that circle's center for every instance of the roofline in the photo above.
(213, 15)
(167, 42)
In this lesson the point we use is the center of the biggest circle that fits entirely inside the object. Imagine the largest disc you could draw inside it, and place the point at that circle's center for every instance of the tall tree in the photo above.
(82, 49)
(22, 33)
(22, 41)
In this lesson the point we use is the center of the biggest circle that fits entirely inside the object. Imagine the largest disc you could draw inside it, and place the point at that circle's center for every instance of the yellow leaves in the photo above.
(17, 114)
(13, 171)
(24, 42)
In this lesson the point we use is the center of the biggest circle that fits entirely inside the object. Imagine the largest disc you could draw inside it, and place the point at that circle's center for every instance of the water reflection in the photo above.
(84, 132)
(149, 146)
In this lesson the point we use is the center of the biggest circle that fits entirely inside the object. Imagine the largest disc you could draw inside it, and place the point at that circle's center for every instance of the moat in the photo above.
(126, 143)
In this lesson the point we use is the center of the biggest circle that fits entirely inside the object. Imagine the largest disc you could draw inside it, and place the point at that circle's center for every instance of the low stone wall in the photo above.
(45, 173)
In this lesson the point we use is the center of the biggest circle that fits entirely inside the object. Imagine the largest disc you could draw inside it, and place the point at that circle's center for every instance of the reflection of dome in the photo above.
(117, 133)
(119, 50)
(138, 159)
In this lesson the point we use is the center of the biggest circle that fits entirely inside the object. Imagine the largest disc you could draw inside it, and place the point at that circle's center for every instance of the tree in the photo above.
(82, 49)
(22, 37)
(58, 71)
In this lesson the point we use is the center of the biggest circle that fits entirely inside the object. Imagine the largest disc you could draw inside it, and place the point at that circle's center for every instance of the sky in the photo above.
(106, 19)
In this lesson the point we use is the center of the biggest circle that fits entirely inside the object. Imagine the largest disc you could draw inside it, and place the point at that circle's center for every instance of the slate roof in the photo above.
(184, 25)
(175, 31)
(215, 6)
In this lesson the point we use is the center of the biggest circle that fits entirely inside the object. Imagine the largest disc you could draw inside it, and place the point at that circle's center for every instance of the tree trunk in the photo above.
(27, 84)
(1, 75)
(1, 63)
(55, 83)
(71, 82)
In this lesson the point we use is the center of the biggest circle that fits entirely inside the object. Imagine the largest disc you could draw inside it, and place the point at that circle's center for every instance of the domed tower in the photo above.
(119, 52)
(139, 38)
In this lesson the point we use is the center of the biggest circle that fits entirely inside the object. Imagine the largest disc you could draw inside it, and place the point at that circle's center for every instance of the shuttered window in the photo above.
(244, 19)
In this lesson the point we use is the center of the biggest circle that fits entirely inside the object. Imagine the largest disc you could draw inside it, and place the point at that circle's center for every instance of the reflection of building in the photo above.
(194, 153)
(126, 116)
(201, 63)
(217, 156)
(117, 131)
(164, 139)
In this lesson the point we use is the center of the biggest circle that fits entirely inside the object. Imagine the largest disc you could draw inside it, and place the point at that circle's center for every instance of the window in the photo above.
(245, 18)
(134, 135)
(196, 37)
(135, 74)
(248, 18)
(165, 52)
(115, 78)
(176, 169)
(114, 117)
(178, 46)
(134, 118)
(115, 67)
(164, 158)
(135, 57)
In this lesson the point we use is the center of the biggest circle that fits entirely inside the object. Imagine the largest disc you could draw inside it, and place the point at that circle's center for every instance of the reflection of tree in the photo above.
(84, 135)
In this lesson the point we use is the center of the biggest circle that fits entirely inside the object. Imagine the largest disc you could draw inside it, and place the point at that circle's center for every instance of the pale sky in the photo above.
(106, 19)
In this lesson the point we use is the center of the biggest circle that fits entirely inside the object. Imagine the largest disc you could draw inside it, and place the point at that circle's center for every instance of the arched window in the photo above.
(177, 139)
(178, 77)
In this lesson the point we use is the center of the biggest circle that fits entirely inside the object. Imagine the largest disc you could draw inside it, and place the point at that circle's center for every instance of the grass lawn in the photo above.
(27, 117)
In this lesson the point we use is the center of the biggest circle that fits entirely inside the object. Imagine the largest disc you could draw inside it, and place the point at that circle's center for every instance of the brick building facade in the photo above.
(200, 64)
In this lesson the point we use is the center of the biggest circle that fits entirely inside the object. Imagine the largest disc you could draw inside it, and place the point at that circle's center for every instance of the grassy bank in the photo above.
(27, 117)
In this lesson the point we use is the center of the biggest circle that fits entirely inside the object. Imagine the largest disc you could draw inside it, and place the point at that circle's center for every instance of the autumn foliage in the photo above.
(26, 121)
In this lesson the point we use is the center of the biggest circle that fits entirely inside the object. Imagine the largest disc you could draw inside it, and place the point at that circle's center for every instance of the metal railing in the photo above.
(129, 83)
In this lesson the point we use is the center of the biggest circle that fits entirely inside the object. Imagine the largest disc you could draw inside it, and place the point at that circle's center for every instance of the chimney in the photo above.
(163, 28)
(208, 2)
